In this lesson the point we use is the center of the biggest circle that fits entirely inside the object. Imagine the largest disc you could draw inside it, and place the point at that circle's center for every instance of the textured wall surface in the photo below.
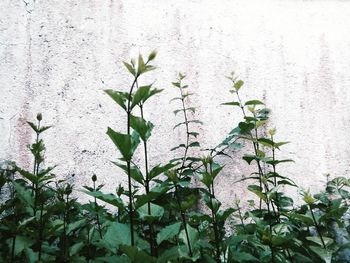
(56, 57)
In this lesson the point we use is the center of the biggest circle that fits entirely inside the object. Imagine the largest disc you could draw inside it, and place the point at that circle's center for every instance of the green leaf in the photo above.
(75, 248)
(303, 218)
(119, 97)
(151, 93)
(232, 103)
(249, 158)
(194, 134)
(137, 256)
(44, 128)
(31, 177)
(130, 68)
(75, 225)
(241, 256)
(24, 194)
(245, 128)
(21, 243)
(157, 170)
(254, 102)
(212, 203)
(141, 65)
(140, 95)
(216, 171)
(33, 126)
(194, 144)
(117, 234)
(32, 256)
(135, 172)
(324, 254)
(108, 198)
(275, 162)
(142, 127)
(182, 145)
(176, 84)
(125, 143)
(193, 238)
(278, 144)
(238, 84)
(266, 142)
(169, 255)
(328, 241)
(257, 190)
(156, 212)
(205, 178)
(223, 215)
(168, 232)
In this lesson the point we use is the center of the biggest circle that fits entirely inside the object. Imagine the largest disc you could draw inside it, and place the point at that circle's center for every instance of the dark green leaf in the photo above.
(142, 127)
(232, 103)
(125, 143)
(108, 198)
(119, 97)
(254, 102)
(168, 232)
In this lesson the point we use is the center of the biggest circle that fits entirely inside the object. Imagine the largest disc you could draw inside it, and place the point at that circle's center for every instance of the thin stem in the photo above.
(317, 227)
(41, 230)
(187, 127)
(128, 163)
(97, 213)
(215, 226)
(183, 217)
(13, 248)
(35, 159)
(275, 181)
(256, 149)
(153, 246)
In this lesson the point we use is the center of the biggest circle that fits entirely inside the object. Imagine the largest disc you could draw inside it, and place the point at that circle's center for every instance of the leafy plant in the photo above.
(170, 212)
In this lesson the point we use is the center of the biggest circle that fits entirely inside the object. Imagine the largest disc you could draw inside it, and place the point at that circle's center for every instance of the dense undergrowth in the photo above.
(156, 216)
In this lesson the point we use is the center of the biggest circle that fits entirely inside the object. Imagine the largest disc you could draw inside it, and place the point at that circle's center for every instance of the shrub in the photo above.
(156, 216)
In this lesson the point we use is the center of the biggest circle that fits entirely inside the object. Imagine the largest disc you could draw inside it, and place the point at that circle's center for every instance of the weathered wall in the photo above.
(56, 57)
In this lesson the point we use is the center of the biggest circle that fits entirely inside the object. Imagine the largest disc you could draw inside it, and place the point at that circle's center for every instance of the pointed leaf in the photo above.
(254, 102)
(232, 103)
(157, 170)
(119, 97)
(108, 198)
(168, 232)
(142, 127)
(135, 172)
(130, 68)
(125, 143)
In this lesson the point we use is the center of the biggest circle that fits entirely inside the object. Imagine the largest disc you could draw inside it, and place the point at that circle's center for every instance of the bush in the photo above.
(156, 216)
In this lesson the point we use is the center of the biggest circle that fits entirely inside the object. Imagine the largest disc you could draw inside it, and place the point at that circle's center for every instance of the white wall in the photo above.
(56, 57)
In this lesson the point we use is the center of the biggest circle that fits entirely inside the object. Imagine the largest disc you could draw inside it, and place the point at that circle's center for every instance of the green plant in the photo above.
(170, 212)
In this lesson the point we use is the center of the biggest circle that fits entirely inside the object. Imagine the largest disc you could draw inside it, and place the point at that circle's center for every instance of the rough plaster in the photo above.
(56, 57)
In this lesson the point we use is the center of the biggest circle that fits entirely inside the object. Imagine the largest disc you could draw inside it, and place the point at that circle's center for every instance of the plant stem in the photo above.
(187, 128)
(183, 217)
(317, 227)
(256, 149)
(13, 248)
(215, 226)
(97, 214)
(153, 246)
(128, 163)
(41, 226)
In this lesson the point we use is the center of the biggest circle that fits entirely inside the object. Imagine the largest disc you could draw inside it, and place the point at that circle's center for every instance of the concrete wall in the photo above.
(56, 57)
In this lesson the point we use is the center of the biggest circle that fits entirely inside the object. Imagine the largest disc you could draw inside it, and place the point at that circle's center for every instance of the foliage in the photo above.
(163, 214)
